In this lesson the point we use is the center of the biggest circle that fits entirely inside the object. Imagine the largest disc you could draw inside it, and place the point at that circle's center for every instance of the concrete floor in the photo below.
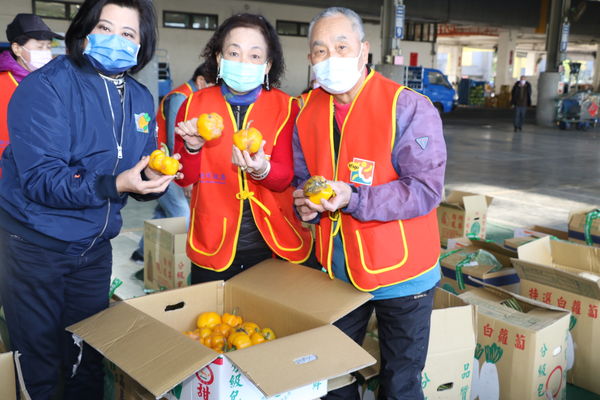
(535, 177)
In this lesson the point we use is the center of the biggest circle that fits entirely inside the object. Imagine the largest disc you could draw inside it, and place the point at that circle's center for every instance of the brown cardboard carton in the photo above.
(449, 366)
(513, 243)
(522, 349)
(456, 262)
(567, 275)
(538, 231)
(577, 226)
(9, 382)
(166, 265)
(462, 213)
(143, 336)
(8, 389)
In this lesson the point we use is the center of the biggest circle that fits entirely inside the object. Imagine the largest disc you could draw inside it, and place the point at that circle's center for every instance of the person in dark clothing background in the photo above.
(521, 99)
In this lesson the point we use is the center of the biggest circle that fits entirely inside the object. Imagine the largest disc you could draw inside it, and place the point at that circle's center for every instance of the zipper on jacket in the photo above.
(119, 156)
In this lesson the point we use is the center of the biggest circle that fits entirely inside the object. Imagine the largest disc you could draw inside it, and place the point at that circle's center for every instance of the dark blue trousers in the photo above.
(43, 292)
(403, 325)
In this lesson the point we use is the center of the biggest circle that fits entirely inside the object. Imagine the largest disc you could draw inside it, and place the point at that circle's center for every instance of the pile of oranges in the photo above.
(228, 332)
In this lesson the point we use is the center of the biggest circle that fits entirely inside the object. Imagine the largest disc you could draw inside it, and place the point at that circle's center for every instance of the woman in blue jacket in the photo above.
(81, 130)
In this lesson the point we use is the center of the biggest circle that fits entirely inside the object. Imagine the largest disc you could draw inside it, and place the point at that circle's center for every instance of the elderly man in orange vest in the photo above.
(381, 147)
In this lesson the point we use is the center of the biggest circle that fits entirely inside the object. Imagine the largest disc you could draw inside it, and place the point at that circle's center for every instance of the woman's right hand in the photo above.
(189, 133)
(131, 181)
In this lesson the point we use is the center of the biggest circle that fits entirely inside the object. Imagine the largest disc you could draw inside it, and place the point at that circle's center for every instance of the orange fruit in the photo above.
(210, 126)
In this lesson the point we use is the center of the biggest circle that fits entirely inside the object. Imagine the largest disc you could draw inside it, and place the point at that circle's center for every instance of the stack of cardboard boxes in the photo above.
(567, 275)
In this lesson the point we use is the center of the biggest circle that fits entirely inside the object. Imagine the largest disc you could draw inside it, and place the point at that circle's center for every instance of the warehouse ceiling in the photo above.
(505, 13)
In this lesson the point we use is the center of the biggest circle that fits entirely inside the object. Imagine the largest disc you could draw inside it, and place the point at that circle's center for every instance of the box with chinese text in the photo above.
(166, 265)
(449, 365)
(521, 347)
(462, 214)
(567, 275)
(143, 336)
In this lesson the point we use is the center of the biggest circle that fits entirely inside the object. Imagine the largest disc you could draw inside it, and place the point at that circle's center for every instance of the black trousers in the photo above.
(44, 292)
(403, 325)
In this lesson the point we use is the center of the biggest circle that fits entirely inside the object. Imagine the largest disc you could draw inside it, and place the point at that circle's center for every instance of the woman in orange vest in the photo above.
(30, 39)
(241, 208)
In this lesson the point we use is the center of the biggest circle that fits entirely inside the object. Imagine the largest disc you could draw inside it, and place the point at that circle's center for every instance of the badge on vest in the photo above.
(141, 122)
(361, 171)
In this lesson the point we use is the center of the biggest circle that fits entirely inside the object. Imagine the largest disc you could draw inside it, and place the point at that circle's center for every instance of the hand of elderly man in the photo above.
(342, 191)
(309, 210)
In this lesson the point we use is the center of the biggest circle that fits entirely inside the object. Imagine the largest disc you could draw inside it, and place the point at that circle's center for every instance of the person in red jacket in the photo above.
(241, 207)
(30, 39)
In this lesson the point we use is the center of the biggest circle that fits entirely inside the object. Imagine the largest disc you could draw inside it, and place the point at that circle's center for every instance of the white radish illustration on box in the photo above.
(571, 344)
(489, 384)
(475, 378)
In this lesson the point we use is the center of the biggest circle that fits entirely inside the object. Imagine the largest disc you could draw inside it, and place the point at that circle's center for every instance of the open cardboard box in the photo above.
(529, 234)
(505, 277)
(577, 220)
(567, 275)
(449, 365)
(521, 351)
(462, 213)
(9, 382)
(143, 336)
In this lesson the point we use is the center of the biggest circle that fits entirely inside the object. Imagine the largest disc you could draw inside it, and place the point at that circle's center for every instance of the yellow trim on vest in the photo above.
(390, 284)
(305, 102)
(280, 247)
(12, 78)
(289, 113)
(386, 269)
(247, 194)
(220, 244)
(394, 109)
(187, 106)
(162, 102)
(367, 79)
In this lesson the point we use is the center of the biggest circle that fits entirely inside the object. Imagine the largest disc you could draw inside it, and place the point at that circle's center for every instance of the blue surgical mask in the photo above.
(242, 77)
(111, 54)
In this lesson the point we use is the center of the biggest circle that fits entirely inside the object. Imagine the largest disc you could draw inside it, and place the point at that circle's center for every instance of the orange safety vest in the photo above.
(8, 84)
(218, 197)
(161, 119)
(377, 253)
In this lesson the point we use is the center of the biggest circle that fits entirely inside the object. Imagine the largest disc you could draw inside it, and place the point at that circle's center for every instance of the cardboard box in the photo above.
(9, 382)
(515, 242)
(449, 366)
(166, 265)
(143, 336)
(567, 275)
(451, 262)
(577, 229)
(522, 352)
(462, 214)
(538, 231)
(8, 389)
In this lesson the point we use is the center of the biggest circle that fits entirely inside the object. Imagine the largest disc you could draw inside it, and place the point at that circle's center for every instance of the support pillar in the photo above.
(548, 82)
(596, 77)
(505, 60)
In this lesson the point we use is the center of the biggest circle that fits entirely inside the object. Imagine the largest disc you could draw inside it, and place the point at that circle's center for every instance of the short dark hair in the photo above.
(202, 71)
(21, 41)
(88, 16)
(275, 53)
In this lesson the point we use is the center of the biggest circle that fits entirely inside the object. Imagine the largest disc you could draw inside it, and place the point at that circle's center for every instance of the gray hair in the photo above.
(357, 24)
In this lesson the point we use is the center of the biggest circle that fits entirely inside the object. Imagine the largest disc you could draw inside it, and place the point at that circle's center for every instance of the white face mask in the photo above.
(522, 82)
(338, 74)
(38, 58)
